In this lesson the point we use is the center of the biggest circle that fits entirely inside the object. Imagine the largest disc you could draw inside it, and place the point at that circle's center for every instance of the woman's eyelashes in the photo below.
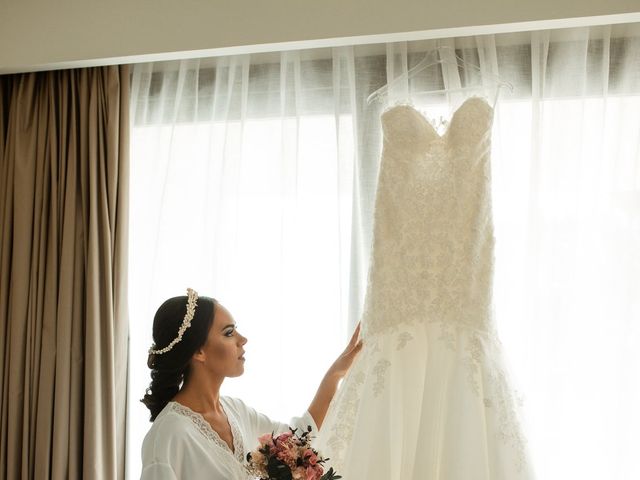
(229, 332)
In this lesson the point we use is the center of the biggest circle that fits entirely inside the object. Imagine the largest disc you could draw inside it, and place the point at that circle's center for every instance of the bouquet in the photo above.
(288, 456)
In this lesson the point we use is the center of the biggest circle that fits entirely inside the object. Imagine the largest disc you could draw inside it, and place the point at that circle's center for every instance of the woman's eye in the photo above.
(228, 333)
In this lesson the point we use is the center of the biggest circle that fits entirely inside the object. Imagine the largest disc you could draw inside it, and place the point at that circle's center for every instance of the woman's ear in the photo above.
(199, 355)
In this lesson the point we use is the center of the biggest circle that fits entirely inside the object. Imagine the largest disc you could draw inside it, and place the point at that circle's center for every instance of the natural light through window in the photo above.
(259, 215)
(232, 210)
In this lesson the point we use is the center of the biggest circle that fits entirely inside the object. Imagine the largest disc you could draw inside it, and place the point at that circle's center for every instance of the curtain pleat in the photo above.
(63, 273)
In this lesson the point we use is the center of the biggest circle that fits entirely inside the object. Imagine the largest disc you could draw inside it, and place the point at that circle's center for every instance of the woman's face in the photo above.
(222, 353)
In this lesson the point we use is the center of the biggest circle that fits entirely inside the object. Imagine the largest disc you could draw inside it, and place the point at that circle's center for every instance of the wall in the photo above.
(47, 34)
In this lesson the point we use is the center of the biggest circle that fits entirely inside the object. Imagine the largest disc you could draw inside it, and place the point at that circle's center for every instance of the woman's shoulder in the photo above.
(246, 416)
(237, 405)
(170, 416)
(170, 428)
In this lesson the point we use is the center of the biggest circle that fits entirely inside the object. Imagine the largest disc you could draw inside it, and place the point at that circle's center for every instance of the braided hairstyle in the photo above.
(170, 370)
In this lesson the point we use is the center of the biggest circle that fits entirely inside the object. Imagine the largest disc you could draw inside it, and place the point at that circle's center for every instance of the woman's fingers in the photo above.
(357, 347)
(344, 361)
(354, 337)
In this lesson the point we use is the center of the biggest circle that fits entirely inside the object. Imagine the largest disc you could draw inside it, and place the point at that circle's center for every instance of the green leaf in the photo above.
(330, 475)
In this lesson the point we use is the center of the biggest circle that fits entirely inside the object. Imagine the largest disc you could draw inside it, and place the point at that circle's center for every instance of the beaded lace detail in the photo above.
(433, 242)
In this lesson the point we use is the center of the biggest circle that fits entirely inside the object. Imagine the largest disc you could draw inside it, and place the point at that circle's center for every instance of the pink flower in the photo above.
(284, 437)
(299, 473)
(287, 453)
(291, 449)
(266, 439)
(311, 457)
(314, 473)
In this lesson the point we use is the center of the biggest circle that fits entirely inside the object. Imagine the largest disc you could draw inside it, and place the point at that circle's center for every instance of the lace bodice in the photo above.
(432, 257)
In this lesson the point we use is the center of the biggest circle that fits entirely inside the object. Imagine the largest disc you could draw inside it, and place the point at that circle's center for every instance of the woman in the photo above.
(196, 433)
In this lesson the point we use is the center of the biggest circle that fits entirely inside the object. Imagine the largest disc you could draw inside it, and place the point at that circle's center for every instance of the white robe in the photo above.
(182, 445)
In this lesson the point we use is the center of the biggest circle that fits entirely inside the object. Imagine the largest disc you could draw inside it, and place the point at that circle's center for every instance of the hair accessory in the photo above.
(186, 323)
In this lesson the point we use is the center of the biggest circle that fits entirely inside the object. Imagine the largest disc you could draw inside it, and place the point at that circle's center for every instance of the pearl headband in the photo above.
(186, 323)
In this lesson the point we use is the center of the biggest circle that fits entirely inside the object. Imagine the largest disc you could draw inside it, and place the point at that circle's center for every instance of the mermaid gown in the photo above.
(429, 398)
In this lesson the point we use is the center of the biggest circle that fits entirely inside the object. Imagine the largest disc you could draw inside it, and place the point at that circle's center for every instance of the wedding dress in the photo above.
(428, 397)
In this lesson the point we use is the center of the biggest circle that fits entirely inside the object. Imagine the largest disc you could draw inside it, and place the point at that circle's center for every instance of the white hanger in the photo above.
(429, 61)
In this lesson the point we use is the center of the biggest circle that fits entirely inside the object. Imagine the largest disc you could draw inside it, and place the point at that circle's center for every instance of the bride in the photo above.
(196, 432)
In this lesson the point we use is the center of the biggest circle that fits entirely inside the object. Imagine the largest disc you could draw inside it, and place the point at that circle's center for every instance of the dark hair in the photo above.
(171, 369)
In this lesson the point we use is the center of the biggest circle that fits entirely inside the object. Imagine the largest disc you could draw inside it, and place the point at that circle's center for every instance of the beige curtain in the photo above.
(63, 256)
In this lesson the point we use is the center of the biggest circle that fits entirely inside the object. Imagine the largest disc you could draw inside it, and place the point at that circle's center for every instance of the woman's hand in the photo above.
(342, 364)
(329, 385)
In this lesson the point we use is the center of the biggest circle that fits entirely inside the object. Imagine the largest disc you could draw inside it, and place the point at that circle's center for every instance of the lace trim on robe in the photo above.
(205, 428)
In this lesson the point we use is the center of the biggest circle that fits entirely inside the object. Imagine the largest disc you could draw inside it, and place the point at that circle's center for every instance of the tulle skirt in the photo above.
(428, 402)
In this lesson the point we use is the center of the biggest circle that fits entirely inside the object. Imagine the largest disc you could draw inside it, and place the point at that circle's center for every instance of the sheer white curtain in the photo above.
(253, 180)
(243, 186)
(567, 208)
